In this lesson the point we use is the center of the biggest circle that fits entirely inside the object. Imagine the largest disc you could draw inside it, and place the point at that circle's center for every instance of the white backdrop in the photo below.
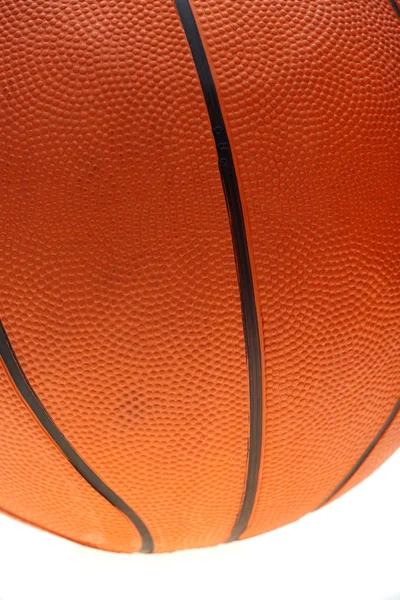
(348, 550)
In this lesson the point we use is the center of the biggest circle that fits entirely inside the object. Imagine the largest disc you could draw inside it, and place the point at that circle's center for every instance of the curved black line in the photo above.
(20, 380)
(243, 265)
(395, 6)
(364, 455)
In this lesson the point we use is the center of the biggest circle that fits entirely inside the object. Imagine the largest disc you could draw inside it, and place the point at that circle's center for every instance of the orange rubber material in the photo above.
(387, 445)
(315, 132)
(38, 484)
(118, 280)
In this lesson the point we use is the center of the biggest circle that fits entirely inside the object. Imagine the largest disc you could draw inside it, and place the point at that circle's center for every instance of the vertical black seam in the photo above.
(243, 264)
(29, 396)
(364, 455)
(395, 6)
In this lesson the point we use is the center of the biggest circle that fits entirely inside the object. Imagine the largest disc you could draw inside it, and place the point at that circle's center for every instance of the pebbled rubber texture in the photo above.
(118, 281)
(26, 392)
(309, 92)
(388, 444)
(251, 326)
(365, 457)
(396, 6)
(40, 486)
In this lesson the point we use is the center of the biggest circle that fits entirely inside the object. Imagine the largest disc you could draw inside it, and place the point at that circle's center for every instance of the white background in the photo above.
(348, 550)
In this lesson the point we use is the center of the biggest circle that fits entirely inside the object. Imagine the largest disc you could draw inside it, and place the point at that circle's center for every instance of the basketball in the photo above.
(200, 263)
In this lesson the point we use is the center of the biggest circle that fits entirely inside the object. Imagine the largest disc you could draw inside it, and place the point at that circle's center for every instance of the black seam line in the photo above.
(243, 265)
(395, 6)
(25, 389)
(364, 455)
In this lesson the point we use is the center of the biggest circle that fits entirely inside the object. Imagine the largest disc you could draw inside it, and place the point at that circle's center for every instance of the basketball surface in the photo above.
(200, 263)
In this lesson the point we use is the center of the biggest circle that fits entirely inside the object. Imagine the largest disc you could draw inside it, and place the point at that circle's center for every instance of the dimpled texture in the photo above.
(310, 94)
(39, 485)
(118, 281)
(388, 444)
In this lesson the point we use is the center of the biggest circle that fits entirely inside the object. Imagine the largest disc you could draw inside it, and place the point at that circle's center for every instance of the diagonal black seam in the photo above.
(243, 264)
(395, 6)
(364, 455)
(30, 397)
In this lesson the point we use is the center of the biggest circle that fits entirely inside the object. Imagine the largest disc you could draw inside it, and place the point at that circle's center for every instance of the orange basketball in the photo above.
(200, 263)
